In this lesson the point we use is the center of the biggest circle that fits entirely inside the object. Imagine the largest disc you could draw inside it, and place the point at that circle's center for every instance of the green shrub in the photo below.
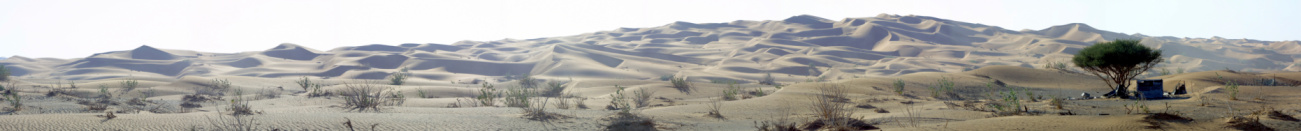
(518, 97)
(554, 89)
(487, 95)
(305, 83)
(397, 78)
(360, 97)
(1231, 85)
(618, 102)
(898, 86)
(942, 86)
(129, 84)
(4, 73)
(681, 84)
(731, 92)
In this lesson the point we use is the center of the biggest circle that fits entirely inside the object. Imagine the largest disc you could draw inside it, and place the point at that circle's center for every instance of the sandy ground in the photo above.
(802, 53)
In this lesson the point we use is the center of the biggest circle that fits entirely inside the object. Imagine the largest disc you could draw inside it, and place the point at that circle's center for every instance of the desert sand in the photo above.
(803, 55)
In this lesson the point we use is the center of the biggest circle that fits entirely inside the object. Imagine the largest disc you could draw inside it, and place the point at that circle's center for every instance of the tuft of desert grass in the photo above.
(681, 84)
(361, 97)
(642, 97)
(715, 106)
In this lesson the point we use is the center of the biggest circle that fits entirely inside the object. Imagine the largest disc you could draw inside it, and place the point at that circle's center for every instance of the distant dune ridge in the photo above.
(794, 49)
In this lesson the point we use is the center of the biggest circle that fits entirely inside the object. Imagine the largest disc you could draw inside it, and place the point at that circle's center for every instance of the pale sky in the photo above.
(79, 28)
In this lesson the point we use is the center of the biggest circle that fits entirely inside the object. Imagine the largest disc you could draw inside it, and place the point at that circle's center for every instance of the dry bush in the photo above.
(361, 97)
(538, 111)
(232, 123)
(629, 122)
(1247, 124)
(239, 105)
(832, 112)
(642, 98)
(269, 93)
(348, 123)
(714, 109)
(783, 123)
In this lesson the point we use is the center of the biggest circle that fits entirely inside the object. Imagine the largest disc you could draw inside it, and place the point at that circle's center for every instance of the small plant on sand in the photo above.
(361, 97)
(642, 97)
(1231, 85)
(731, 92)
(518, 97)
(129, 84)
(239, 106)
(618, 102)
(305, 83)
(1010, 97)
(398, 78)
(714, 106)
(527, 81)
(768, 80)
(758, 92)
(942, 86)
(538, 111)
(487, 95)
(14, 100)
(554, 89)
(231, 123)
(216, 87)
(1057, 102)
(898, 86)
(4, 73)
(831, 112)
(681, 84)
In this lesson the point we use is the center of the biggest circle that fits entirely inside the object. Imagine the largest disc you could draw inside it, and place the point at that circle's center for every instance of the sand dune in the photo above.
(802, 53)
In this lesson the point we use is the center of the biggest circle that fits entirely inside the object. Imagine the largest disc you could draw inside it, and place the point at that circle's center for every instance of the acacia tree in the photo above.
(1117, 62)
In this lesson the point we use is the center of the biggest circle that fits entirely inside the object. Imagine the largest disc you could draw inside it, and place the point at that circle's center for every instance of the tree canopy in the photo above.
(1117, 62)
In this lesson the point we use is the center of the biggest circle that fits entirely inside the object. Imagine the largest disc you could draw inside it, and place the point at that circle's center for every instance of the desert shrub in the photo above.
(14, 100)
(518, 97)
(681, 84)
(554, 89)
(1010, 98)
(563, 103)
(618, 102)
(1231, 85)
(898, 86)
(731, 92)
(758, 92)
(305, 83)
(642, 97)
(1057, 102)
(578, 103)
(239, 105)
(825, 105)
(942, 86)
(269, 93)
(232, 123)
(768, 80)
(129, 84)
(317, 92)
(527, 81)
(538, 111)
(630, 122)
(666, 77)
(72, 84)
(4, 73)
(487, 95)
(216, 87)
(361, 97)
(714, 108)
(397, 78)
(1061, 66)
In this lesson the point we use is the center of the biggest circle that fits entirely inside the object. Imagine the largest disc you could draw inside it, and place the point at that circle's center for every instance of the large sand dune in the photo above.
(804, 53)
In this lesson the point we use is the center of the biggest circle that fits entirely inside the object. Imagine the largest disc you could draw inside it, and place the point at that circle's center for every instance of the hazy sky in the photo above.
(75, 29)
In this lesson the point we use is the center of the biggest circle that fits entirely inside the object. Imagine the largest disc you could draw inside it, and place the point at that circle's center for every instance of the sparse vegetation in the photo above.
(4, 73)
(619, 102)
(714, 108)
(305, 83)
(1231, 85)
(398, 78)
(487, 95)
(768, 80)
(527, 81)
(1117, 62)
(15, 100)
(129, 84)
(642, 97)
(239, 105)
(898, 86)
(681, 84)
(731, 92)
(943, 86)
(361, 97)
(554, 89)
(518, 97)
